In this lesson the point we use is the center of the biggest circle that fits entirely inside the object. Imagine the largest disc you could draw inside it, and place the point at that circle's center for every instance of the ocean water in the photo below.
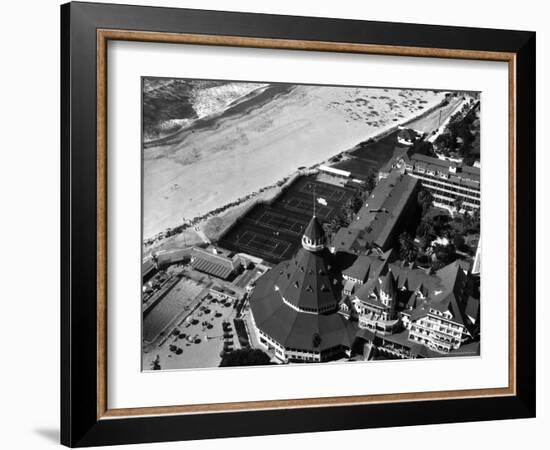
(259, 137)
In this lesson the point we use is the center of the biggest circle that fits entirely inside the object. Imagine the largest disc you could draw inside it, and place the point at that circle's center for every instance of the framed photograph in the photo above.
(276, 224)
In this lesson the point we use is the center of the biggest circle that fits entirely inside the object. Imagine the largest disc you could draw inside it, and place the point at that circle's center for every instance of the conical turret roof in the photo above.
(309, 281)
(389, 286)
(314, 231)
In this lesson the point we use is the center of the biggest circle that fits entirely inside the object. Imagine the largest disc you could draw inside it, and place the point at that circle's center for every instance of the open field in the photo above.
(218, 161)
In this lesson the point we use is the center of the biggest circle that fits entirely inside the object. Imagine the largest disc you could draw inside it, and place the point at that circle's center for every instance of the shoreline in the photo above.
(226, 208)
(231, 109)
(281, 128)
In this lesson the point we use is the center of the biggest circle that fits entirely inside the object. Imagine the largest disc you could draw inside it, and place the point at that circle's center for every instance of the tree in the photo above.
(245, 357)
(470, 159)
(425, 229)
(445, 253)
(466, 222)
(476, 220)
(329, 229)
(353, 205)
(155, 365)
(445, 142)
(370, 184)
(457, 204)
(425, 200)
(407, 249)
(424, 148)
(340, 221)
(459, 242)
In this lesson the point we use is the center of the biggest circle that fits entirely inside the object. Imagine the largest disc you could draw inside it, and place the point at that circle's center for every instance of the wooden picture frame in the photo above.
(85, 416)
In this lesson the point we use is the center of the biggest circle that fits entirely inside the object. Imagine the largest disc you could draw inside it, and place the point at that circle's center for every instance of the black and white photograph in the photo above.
(276, 224)
(292, 223)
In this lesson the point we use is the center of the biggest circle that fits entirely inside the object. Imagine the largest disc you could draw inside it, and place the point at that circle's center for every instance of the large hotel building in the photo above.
(320, 306)
(449, 182)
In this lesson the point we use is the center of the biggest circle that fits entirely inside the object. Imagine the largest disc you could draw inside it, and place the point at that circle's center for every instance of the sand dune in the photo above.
(240, 153)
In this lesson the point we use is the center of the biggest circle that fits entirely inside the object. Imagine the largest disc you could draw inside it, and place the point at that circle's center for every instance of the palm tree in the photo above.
(457, 204)
(425, 200)
(425, 229)
(407, 249)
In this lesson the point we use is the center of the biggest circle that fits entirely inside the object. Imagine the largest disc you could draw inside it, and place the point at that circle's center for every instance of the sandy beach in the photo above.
(237, 154)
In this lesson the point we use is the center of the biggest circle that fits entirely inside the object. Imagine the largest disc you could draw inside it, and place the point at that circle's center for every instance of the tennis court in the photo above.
(323, 190)
(306, 207)
(280, 222)
(258, 243)
(273, 231)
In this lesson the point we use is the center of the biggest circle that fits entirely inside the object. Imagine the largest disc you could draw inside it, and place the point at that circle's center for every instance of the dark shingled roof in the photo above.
(440, 291)
(349, 286)
(367, 335)
(310, 283)
(389, 286)
(314, 230)
(365, 266)
(472, 308)
(348, 239)
(377, 219)
(430, 161)
(443, 292)
(467, 175)
(292, 328)
(385, 283)
(211, 267)
(309, 280)
(453, 281)
(213, 261)
(472, 171)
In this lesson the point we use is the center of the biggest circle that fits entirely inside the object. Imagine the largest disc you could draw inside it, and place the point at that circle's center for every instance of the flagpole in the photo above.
(313, 200)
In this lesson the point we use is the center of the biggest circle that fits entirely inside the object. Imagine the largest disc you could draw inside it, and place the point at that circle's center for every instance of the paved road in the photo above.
(433, 120)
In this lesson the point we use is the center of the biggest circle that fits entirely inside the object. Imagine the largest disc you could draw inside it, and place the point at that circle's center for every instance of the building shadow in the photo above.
(49, 434)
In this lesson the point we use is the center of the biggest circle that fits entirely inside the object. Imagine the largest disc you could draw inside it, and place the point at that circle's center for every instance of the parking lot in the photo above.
(198, 340)
(179, 299)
